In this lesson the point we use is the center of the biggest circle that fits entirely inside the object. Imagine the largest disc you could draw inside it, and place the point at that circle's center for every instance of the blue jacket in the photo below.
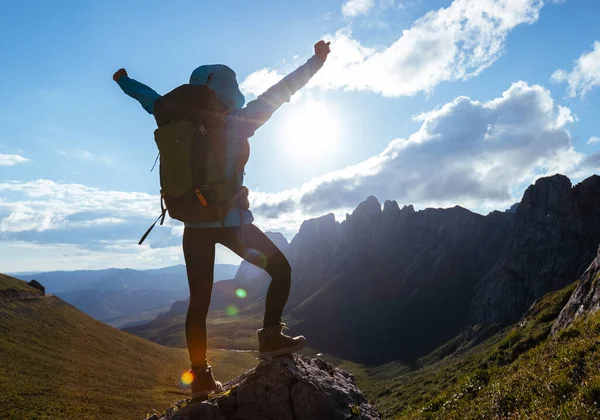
(241, 122)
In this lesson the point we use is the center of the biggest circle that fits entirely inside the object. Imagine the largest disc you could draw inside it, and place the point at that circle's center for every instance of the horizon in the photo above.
(428, 103)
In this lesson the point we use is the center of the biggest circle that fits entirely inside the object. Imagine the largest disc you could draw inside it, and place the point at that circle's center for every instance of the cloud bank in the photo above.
(477, 154)
(449, 44)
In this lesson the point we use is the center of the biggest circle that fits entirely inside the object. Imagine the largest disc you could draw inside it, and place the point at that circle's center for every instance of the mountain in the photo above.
(553, 239)
(169, 278)
(57, 362)
(391, 283)
(113, 306)
(405, 282)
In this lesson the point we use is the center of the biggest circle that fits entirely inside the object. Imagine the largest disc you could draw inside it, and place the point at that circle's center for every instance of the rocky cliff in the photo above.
(291, 388)
(585, 299)
(390, 283)
(553, 239)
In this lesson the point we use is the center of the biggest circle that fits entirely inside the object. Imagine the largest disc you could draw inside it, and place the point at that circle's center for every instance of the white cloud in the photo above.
(10, 160)
(98, 222)
(27, 256)
(593, 140)
(259, 81)
(585, 74)
(47, 225)
(45, 205)
(480, 155)
(452, 43)
(354, 8)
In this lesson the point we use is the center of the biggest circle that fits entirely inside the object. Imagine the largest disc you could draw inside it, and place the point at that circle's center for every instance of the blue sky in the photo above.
(428, 102)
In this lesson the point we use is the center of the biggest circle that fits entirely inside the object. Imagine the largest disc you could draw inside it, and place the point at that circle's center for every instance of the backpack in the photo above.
(195, 187)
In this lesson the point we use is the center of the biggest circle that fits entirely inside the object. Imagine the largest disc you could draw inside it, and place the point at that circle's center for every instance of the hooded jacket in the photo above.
(241, 122)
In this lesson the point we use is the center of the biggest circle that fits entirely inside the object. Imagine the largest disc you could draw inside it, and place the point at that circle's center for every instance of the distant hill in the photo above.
(116, 307)
(57, 362)
(169, 278)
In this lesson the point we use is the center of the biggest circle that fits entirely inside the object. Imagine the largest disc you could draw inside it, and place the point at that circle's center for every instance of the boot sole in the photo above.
(284, 351)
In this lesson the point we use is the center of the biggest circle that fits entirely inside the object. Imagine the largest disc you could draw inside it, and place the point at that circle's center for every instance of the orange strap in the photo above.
(201, 198)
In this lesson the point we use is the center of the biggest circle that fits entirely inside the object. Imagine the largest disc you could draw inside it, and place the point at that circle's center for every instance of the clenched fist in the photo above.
(118, 74)
(322, 49)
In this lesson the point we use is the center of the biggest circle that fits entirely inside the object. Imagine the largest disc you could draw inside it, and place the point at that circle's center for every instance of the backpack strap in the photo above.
(163, 213)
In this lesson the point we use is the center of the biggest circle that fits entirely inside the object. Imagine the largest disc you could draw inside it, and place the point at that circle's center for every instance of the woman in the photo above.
(236, 230)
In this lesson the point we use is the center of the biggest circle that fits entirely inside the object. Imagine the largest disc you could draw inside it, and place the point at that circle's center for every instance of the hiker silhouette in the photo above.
(202, 136)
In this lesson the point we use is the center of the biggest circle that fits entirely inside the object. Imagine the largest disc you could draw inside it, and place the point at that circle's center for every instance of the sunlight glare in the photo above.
(311, 131)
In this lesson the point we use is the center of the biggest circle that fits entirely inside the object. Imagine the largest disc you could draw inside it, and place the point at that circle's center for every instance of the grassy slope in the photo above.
(482, 381)
(558, 379)
(7, 282)
(396, 388)
(231, 332)
(56, 362)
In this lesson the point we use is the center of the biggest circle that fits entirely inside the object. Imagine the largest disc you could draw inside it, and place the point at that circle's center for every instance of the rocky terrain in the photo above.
(585, 299)
(553, 239)
(289, 388)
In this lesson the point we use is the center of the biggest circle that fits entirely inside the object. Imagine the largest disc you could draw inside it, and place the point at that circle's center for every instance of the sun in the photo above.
(310, 131)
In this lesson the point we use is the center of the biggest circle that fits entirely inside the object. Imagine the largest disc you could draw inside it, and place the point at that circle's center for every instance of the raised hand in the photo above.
(118, 74)
(322, 49)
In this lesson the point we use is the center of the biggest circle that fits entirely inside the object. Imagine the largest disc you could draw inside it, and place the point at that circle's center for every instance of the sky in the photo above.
(433, 103)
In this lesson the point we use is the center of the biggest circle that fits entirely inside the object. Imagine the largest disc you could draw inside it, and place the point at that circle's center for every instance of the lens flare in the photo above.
(187, 378)
(257, 258)
(232, 310)
(241, 293)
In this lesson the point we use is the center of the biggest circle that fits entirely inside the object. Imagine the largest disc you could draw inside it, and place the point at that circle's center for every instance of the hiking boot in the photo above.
(204, 384)
(272, 342)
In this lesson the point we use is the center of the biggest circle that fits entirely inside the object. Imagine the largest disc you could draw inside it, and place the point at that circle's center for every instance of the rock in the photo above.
(287, 388)
(585, 300)
(36, 284)
(553, 239)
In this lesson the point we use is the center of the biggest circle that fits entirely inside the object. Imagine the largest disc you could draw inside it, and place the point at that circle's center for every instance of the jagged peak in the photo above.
(556, 179)
(408, 209)
(315, 225)
(390, 206)
(370, 207)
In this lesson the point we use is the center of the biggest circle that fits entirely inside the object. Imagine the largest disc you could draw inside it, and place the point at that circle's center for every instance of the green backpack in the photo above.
(195, 187)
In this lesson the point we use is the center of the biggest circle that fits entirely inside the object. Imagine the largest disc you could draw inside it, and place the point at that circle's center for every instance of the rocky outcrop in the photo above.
(290, 388)
(553, 240)
(585, 300)
(402, 280)
(37, 285)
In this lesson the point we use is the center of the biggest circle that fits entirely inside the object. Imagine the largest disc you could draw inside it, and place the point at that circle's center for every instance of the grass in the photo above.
(56, 362)
(7, 282)
(224, 331)
(396, 388)
(558, 379)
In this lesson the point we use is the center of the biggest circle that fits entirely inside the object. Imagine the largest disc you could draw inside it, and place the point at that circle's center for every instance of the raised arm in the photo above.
(145, 95)
(258, 111)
